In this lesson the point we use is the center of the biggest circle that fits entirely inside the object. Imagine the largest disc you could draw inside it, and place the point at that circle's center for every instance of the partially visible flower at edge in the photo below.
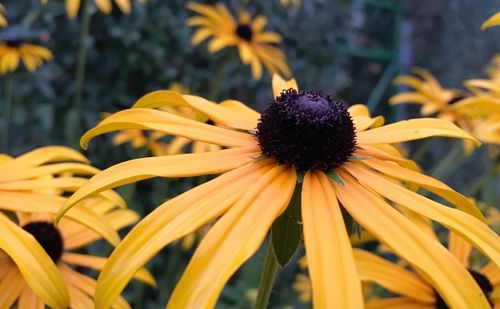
(491, 22)
(105, 6)
(33, 56)
(3, 20)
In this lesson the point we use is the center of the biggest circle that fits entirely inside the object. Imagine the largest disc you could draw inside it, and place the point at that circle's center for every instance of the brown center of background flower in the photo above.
(48, 236)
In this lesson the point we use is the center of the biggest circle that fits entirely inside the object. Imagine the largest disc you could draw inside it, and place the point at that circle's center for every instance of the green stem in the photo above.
(422, 150)
(219, 78)
(267, 279)
(7, 111)
(451, 161)
(480, 182)
(82, 59)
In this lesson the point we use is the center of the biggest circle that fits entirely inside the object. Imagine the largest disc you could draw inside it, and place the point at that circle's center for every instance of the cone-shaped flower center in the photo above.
(13, 43)
(48, 236)
(483, 282)
(244, 31)
(308, 130)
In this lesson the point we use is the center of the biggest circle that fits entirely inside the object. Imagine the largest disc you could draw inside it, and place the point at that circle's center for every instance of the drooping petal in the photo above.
(433, 185)
(50, 169)
(460, 248)
(170, 221)
(150, 119)
(408, 130)
(11, 286)
(233, 239)
(392, 277)
(35, 265)
(183, 165)
(465, 225)
(43, 155)
(251, 115)
(334, 279)
(29, 300)
(97, 263)
(442, 270)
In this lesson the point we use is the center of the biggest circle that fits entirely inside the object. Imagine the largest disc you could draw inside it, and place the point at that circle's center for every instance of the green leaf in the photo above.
(286, 232)
(335, 177)
(350, 225)
(300, 177)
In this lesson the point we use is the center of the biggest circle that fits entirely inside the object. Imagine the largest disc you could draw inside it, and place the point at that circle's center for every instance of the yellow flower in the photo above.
(294, 3)
(344, 161)
(3, 20)
(416, 290)
(31, 187)
(32, 56)
(492, 21)
(253, 43)
(105, 6)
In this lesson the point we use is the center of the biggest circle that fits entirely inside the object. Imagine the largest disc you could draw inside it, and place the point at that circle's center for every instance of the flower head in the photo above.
(253, 43)
(32, 187)
(254, 189)
(491, 22)
(105, 6)
(3, 20)
(33, 56)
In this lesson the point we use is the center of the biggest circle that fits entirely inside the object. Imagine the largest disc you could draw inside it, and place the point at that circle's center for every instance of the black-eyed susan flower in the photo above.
(33, 56)
(491, 22)
(414, 289)
(32, 187)
(255, 46)
(344, 162)
(105, 6)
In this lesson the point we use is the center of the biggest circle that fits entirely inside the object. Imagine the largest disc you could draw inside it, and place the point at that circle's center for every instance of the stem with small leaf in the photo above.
(267, 279)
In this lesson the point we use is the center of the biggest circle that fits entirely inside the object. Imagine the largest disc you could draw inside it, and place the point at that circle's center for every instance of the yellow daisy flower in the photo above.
(344, 162)
(32, 56)
(105, 6)
(31, 187)
(3, 20)
(415, 290)
(491, 22)
(253, 43)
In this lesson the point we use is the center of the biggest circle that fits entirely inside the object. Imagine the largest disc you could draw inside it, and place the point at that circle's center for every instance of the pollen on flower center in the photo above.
(481, 280)
(308, 130)
(244, 31)
(48, 236)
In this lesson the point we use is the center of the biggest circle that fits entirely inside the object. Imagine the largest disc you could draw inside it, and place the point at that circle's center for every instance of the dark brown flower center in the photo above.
(244, 31)
(13, 43)
(483, 282)
(308, 130)
(48, 236)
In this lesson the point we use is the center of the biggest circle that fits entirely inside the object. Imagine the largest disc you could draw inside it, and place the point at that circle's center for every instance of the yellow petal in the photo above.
(460, 248)
(397, 303)
(433, 185)
(409, 97)
(169, 222)
(226, 117)
(233, 239)
(492, 271)
(35, 265)
(44, 155)
(104, 5)
(183, 165)
(12, 286)
(150, 119)
(334, 279)
(49, 169)
(124, 6)
(29, 300)
(97, 263)
(72, 7)
(279, 84)
(408, 130)
(442, 270)
(392, 277)
(478, 106)
(161, 98)
(492, 21)
(465, 225)
(244, 111)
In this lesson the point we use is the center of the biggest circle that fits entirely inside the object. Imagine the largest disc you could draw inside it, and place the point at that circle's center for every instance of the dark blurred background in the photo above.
(352, 49)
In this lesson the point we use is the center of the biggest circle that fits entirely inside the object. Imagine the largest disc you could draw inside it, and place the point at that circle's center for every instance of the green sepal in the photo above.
(335, 177)
(356, 158)
(260, 157)
(300, 177)
(286, 231)
(253, 132)
(350, 224)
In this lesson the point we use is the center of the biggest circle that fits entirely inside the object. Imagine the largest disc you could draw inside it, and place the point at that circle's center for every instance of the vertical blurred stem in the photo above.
(267, 279)
(453, 159)
(7, 111)
(82, 59)
(422, 150)
(219, 78)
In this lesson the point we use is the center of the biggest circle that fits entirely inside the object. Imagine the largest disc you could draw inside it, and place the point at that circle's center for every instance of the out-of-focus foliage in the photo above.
(350, 48)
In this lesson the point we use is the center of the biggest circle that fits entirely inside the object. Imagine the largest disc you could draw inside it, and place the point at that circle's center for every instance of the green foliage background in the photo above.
(348, 48)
